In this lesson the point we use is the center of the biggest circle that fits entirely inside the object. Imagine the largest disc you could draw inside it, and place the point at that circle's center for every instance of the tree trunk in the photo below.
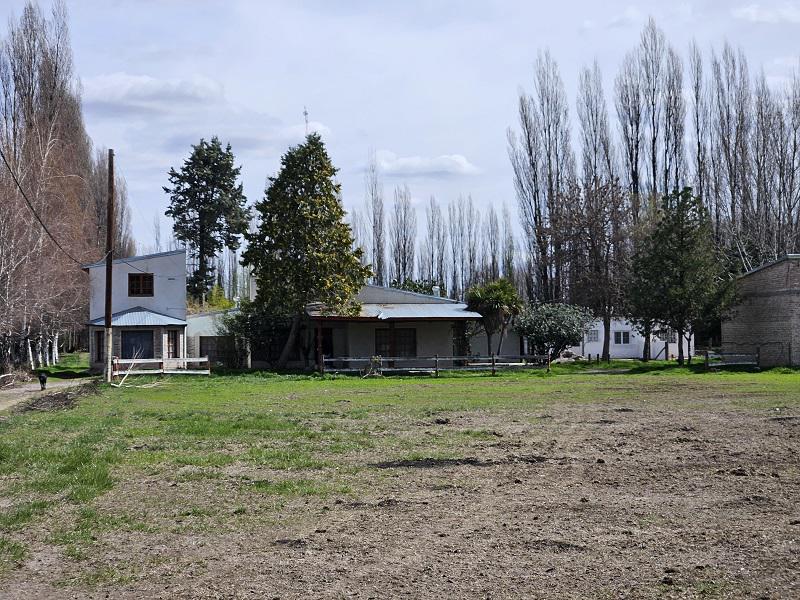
(56, 357)
(30, 353)
(291, 342)
(606, 337)
(489, 343)
(680, 346)
(648, 333)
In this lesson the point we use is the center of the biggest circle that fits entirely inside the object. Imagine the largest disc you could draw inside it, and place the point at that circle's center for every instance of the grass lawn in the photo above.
(661, 482)
(71, 366)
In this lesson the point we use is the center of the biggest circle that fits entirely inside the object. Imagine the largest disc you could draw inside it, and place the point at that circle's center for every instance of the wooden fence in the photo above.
(432, 365)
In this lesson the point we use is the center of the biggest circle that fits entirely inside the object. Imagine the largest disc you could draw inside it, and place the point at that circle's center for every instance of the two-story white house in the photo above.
(148, 308)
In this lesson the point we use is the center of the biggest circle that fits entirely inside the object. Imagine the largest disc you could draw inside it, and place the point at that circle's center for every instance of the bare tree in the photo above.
(377, 221)
(434, 253)
(543, 163)
(629, 104)
(403, 236)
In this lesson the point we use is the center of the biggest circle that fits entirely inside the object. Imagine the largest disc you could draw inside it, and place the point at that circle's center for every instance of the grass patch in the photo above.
(70, 366)
(11, 553)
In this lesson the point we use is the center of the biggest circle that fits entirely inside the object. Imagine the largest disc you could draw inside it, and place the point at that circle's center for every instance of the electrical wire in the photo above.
(33, 210)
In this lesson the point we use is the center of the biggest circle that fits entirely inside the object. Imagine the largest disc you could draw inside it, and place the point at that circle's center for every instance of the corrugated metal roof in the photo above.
(137, 317)
(130, 259)
(406, 311)
(376, 294)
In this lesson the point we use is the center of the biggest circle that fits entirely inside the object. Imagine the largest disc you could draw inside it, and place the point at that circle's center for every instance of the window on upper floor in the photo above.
(140, 284)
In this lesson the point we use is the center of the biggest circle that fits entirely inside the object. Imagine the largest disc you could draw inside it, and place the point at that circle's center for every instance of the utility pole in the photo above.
(109, 263)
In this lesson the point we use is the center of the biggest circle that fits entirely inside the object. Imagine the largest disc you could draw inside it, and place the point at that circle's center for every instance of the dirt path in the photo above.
(12, 396)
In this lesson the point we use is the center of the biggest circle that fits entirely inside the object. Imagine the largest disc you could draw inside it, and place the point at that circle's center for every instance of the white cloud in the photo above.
(421, 166)
(120, 93)
(756, 13)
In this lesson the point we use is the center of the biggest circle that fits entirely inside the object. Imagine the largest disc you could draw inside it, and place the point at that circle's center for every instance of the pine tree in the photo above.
(208, 207)
(302, 251)
(681, 266)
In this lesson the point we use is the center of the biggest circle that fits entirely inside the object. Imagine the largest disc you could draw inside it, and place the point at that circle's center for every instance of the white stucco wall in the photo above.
(632, 350)
(169, 286)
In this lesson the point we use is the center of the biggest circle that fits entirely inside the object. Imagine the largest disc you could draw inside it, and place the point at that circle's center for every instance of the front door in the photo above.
(137, 344)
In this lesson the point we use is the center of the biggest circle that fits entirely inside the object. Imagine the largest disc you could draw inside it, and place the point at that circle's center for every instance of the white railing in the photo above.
(167, 366)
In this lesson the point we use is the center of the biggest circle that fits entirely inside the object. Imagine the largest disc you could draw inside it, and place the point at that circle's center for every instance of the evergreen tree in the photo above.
(302, 251)
(208, 207)
(681, 266)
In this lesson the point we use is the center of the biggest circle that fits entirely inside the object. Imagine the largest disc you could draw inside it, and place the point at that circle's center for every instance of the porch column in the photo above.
(320, 361)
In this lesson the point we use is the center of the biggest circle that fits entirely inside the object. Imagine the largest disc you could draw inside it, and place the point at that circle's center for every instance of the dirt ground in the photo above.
(629, 499)
(11, 396)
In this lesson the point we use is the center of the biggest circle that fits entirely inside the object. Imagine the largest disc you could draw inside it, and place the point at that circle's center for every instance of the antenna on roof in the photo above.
(305, 116)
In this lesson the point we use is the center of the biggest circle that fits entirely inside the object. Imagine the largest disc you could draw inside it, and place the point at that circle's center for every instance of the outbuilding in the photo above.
(765, 321)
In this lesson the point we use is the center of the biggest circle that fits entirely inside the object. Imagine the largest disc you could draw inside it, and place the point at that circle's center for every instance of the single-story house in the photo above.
(204, 337)
(627, 342)
(392, 323)
(765, 322)
(148, 301)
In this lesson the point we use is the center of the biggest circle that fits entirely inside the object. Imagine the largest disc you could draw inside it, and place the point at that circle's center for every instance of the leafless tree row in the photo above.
(43, 292)
(702, 121)
(457, 248)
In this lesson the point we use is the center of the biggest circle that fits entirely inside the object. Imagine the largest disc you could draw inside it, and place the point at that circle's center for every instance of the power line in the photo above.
(33, 210)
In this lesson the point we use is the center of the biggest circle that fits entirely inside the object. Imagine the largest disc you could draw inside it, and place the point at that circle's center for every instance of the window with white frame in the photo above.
(592, 335)
(622, 337)
(668, 335)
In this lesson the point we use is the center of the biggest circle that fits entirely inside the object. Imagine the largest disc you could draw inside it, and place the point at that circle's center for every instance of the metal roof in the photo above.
(407, 311)
(130, 259)
(377, 294)
(139, 316)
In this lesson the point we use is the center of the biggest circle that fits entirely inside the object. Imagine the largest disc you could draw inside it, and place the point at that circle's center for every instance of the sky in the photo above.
(429, 87)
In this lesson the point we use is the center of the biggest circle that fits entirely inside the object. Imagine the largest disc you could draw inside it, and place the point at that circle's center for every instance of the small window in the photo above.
(668, 335)
(99, 346)
(405, 342)
(622, 337)
(592, 335)
(140, 284)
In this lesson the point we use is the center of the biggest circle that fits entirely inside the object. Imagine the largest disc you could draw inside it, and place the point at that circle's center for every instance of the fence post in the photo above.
(494, 367)
(707, 361)
(322, 364)
(436, 365)
(758, 356)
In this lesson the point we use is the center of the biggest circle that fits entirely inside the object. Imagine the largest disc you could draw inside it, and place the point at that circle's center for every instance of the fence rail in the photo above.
(732, 359)
(161, 366)
(377, 365)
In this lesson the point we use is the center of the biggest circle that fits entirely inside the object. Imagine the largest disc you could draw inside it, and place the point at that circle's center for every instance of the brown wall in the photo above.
(767, 318)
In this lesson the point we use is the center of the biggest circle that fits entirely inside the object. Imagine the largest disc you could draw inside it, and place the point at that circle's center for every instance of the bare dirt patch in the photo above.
(640, 498)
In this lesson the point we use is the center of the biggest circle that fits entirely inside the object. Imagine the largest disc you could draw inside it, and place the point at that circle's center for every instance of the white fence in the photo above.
(160, 366)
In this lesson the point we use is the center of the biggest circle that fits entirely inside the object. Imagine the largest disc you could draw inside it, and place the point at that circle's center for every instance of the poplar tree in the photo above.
(302, 251)
(208, 206)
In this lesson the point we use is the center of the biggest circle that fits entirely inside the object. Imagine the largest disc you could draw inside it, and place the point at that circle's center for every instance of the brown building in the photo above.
(766, 320)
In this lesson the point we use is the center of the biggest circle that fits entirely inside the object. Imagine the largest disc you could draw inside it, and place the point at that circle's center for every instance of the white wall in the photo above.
(169, 286)
(633, 349)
